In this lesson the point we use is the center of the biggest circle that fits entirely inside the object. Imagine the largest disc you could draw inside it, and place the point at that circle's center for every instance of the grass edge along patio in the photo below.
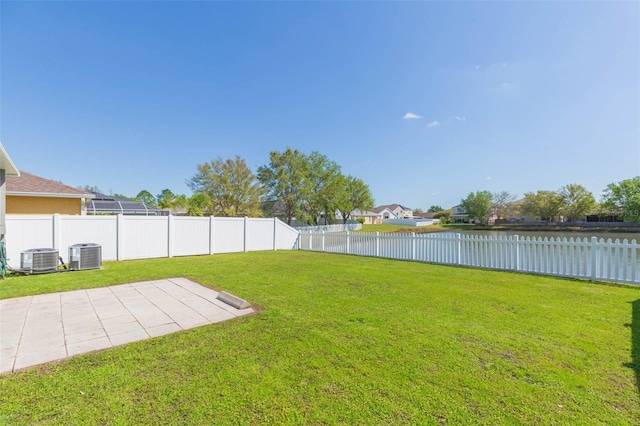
(347, 339)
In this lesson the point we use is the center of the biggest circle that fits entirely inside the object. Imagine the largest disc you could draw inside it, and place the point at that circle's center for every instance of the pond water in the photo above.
(556, 234)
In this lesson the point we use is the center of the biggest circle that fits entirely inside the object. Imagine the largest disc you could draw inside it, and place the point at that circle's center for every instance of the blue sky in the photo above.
(425, 101)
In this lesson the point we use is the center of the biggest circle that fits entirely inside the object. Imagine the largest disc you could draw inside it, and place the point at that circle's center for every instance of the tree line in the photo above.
(572, 202)
(293, 184)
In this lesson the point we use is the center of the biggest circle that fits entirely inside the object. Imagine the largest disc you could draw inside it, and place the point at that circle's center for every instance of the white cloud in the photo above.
(477, 67)
(411, 116)
(459, 118)
(488, 178)
(434, 123)
(435, 193)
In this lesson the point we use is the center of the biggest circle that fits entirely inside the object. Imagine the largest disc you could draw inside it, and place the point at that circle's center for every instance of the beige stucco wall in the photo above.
(371, 220)
(43, 205)
(368, 220)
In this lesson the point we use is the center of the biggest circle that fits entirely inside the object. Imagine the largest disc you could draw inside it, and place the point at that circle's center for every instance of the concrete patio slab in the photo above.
(50, 327)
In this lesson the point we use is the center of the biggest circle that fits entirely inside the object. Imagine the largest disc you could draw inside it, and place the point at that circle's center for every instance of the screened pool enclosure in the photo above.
(109, 204)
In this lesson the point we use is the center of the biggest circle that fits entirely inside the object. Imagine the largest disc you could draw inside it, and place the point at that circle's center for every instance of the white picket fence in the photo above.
(144, 237)
(331, 228)
(594, 259)
(132, 237)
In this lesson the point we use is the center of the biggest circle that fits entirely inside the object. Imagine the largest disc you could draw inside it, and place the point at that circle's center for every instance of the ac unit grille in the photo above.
(44, 261)
(39, 260)
(85, 256)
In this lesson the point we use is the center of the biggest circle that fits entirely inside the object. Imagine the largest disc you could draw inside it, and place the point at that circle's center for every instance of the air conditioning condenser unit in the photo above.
(85, 256)
(39, 261)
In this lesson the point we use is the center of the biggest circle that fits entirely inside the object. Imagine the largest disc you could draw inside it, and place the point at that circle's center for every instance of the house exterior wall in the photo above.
(522, 217)
(43, 205)
(370, 220)
(3, 202)
(458, 210)
(401, 213)
(388, 214)
(458, 214)
(515, 214)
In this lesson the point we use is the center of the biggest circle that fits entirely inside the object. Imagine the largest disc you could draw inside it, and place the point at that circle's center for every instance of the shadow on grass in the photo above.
(635, 341)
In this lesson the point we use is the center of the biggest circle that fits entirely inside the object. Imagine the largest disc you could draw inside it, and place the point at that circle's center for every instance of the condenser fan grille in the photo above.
(39, 260)
(85, 256)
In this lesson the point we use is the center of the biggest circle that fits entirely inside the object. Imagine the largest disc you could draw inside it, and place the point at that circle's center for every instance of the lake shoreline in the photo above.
(520, 228)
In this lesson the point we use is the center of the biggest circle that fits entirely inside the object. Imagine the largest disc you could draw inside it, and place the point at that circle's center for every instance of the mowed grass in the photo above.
(387, 228)
(350, 340)
(381, 228)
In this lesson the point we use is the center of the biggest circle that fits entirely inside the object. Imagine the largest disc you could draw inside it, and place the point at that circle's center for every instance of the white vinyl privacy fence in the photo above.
(590, 258)
(143, 237)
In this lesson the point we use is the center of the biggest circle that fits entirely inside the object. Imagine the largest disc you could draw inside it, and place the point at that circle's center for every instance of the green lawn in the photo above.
(351, 340)
(401, 228)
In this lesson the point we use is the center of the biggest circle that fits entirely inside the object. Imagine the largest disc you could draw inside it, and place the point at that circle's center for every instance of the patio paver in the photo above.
(49, 327)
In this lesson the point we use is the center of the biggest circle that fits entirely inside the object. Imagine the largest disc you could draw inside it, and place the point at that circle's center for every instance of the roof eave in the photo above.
(48, 194)
(7, 163)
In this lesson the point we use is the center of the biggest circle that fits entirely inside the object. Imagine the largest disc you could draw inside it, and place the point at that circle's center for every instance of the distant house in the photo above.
(394, 211)
(517, 215)
(604, 217)
(427, 215)
(370, 218)
(459, 214)
(514, 214)
(385, 213)
(31, 194)
(7, 168)
(103, 204)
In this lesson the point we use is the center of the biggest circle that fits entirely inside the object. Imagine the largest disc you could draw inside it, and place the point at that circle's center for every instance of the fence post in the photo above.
(57, 235)
(413, 246)
(310, 240)
(377, 244)
(275, 230)
(348, 238)
(634, 262)
(246, 221)
(323, 241)
(459, 249)
(119, 232)
(594, 257)
(169, 235)
(517, 240)
(211, 240)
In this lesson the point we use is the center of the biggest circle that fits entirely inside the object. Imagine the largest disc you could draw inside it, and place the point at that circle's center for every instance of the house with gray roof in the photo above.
(394, 211)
